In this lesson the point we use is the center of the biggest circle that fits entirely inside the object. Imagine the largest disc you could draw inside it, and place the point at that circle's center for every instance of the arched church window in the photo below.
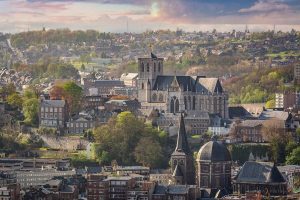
(148, 68)
(190, 102)
(161, 97)
(176, 106)
(154, 97)
(154, 67)
(142, 67)
(185, 103)
(172, 106)
(143, 86)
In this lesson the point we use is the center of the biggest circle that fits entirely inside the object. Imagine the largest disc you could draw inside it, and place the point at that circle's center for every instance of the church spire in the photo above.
(182, 143)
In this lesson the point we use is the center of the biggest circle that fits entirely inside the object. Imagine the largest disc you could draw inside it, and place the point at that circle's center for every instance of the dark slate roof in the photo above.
(178, 189)
(163, 82)
(177, 172)
(259, 172)
(53, 103)
(213, 151)
(182, 145)
(189, 83)
(238, 112)
(160, 189)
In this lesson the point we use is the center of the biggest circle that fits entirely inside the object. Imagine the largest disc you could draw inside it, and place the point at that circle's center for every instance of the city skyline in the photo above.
(141, 15)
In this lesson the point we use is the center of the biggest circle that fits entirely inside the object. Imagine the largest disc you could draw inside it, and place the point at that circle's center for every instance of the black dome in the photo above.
(213, 151)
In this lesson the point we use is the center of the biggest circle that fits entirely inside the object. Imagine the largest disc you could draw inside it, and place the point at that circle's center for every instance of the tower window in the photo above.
(148, 67)
(142, 86)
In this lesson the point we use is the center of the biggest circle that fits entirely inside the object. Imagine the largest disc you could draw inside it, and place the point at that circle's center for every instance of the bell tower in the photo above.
(182, 162)
(148, 70)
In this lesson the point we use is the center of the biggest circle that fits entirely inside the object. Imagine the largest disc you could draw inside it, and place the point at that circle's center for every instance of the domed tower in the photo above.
(214, 167)
(182, 162)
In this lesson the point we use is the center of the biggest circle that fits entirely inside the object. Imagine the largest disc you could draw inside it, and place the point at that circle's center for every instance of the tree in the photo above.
(15, 100)
(120, 137)
(294, 157)
(273, 131)
(148, 152)
(70, 92)
(73, 95)
(31, 110)
(56, 92)
(270, 104)
(7, 90)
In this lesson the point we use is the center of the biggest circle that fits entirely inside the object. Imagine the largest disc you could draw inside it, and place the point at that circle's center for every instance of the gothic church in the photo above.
(175, 94)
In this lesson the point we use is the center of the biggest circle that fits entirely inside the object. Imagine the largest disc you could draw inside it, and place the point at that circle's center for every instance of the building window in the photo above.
(159, 66)
(148, 68)
(161, 97)
(154, 97)
(143, 86)
(194, 102)
(172, 106)
(176, 105)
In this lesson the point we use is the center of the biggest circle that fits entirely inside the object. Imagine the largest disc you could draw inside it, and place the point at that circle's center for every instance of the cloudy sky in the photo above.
(140, 15)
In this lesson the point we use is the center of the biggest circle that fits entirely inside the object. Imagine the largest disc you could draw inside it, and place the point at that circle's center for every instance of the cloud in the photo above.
(112, 15)
(263, 6)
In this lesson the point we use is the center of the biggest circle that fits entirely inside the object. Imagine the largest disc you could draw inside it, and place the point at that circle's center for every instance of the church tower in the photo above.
(182, 162)
(148, 70)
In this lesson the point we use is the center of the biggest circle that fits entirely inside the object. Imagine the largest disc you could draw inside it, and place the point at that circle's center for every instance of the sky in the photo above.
(141, 15)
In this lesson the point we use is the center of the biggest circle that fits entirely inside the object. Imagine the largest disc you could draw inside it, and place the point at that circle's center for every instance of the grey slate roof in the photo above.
(270, 114)
(259, 172)
(214, 151)
(53, 103)
(189, 83)
(252, 123)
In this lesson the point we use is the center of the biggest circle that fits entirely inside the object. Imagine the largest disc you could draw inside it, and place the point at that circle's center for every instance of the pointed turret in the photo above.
(182, 143)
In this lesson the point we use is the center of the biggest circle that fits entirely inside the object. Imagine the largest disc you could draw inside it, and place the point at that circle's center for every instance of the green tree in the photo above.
(270, 104)
(31, 110)
(15, 100)
(121, 135)
(73, 95)
(7, 90)
(148, 152)
(294, 157)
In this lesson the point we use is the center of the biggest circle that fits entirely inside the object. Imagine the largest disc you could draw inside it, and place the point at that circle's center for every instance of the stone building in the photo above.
(53, 114)
(260, 176)
(174, 94)
(213, 169)
(182, 162)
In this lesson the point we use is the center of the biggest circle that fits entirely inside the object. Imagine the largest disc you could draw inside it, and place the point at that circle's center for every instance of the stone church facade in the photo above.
(175, 94)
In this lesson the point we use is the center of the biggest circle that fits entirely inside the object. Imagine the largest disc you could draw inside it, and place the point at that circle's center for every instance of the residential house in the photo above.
(80, 125)
(129, 79)
(53, 114)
